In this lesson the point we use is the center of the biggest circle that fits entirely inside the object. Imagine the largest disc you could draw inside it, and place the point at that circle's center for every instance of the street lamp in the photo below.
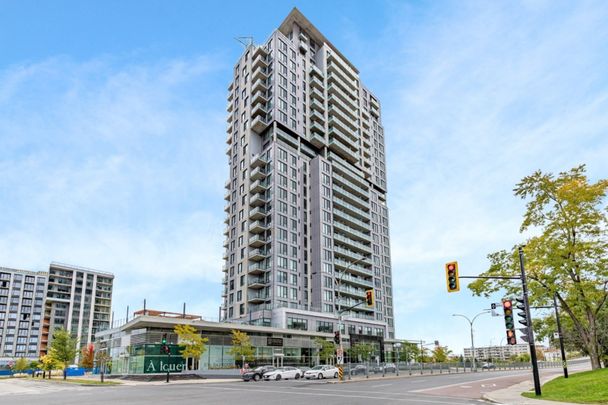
(472, 340)
(397, 346)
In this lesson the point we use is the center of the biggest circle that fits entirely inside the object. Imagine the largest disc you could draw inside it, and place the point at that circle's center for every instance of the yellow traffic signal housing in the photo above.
(369, 298)
(451, 277)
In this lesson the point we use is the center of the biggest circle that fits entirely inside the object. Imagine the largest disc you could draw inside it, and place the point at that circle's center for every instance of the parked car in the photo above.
(320, 372)
(390, 368)
(488, 366)
(283, 373)
(359, 369)
(257, 373)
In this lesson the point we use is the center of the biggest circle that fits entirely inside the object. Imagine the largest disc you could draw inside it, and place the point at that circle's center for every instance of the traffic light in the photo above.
(507, 306)
(369, 298)
(164, 341)
(524, 319)
(451, 277)
(337, 337)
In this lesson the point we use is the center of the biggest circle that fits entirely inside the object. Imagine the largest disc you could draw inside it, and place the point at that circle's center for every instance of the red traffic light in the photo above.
(507, 304)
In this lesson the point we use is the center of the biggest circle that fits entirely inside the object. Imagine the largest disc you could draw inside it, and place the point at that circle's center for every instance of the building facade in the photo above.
(21, 307)
(307, 229)
(498, 352)
(79, 300)
(135, 347)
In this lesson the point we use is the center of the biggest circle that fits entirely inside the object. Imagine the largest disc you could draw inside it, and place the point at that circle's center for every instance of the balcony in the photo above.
(226, 231)
(259, 124)
(258, 213)
(259, 186)
(258, 173)
(258, 240)
(348, 278)
(317, 105)
(259, 160)
(259, 74)
(352, 113)
(226, 243)
(257, 268)
(348, 302)
(343, 150)
(230, 108)
(351, 232)
(260, 85)
(353, 292)
(317, 140)
(316, 127)
(316, 94)
(259, 97)
(352, 221)
(316, 82)
(257, 282)
(257, 200)
(350, 197)
(341, 66)
(225, 255)
(340, 129)
(343, 204)
(258, 254)
(227, 208)
(346, 265)
(260, 50)
(316, 116)
(352, 187)
(258, 227)
(334, 90)
(259, 109)
(256, 297)
(346, 122)
(225, 268)
(259, 62)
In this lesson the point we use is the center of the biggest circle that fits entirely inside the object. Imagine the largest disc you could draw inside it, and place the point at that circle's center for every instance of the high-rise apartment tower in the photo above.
(307, 228)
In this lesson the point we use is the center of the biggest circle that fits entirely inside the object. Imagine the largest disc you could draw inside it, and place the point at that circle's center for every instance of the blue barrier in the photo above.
(75, 372)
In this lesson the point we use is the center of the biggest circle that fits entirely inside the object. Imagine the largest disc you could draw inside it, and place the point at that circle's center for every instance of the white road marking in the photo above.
(335, 395)
(466, 386)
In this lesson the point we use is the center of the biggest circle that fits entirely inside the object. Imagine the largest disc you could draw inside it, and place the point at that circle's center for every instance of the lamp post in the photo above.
(397, 346)
(473, 365)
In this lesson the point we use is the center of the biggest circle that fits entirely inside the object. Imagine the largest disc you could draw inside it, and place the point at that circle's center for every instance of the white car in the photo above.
(283, 373)
(320, 372)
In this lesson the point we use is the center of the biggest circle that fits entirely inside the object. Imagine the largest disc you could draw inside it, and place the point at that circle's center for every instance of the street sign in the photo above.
(556, 335)
(339, 352)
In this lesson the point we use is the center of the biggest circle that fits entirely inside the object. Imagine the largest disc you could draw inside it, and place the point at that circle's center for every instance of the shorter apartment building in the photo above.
(34, 304)
(21, 306)
(135, 347)
(497, 352)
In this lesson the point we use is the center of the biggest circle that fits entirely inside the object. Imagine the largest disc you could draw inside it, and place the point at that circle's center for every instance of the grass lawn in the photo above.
(82, 381)
(589, 387)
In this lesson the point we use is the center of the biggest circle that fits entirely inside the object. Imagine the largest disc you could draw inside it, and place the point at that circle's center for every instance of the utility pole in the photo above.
(533, 358)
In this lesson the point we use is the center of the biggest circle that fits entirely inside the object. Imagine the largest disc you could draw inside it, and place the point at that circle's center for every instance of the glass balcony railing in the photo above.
(352, 243)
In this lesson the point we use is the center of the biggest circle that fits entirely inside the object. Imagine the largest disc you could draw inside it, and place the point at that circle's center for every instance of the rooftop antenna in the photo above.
(245, 41)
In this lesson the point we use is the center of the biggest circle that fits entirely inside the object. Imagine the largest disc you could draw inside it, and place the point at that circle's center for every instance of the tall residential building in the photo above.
(21, 307)
(79, 300)
(307, 228)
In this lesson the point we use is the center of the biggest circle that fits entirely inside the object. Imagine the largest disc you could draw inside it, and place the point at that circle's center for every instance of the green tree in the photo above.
(327, 349)
(64, 348)
(21, 365)
(361, 351)
(87, 356)
(191, 342)
(440, 354)
(569, 256)
(34, 365)
(241, 347)
(409, 351)
(49, 362)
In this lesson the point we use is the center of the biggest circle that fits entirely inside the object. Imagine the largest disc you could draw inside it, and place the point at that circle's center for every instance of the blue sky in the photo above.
(112, 130)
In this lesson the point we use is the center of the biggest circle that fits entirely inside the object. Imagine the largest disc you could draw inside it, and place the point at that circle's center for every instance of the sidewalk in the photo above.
(512, 395)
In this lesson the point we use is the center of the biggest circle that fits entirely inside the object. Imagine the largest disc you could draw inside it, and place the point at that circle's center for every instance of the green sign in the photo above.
(162, 364)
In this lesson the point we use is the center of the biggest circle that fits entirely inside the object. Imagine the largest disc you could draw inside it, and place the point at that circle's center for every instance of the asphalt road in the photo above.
(424, 390)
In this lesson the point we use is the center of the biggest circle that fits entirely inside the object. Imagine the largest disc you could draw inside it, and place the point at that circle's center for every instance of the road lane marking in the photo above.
(337, 395)
(474, 381)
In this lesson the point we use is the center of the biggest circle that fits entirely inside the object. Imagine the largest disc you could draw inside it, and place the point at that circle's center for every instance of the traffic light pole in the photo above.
(533, 358)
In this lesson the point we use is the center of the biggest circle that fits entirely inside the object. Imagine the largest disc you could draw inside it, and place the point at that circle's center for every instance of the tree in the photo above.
(49, 362)
(191, 342)
(568, 258)
(409, 351)
(34, 365)
(361, 351)
(21, 365)
(64, 348)
(87, 356)
(241, 349)
(103, 359)
(327, 349)
(440, 354)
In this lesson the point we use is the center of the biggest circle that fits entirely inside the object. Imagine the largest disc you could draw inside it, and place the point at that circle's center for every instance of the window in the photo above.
(297, 323)
(326, 327)
(281, 291)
